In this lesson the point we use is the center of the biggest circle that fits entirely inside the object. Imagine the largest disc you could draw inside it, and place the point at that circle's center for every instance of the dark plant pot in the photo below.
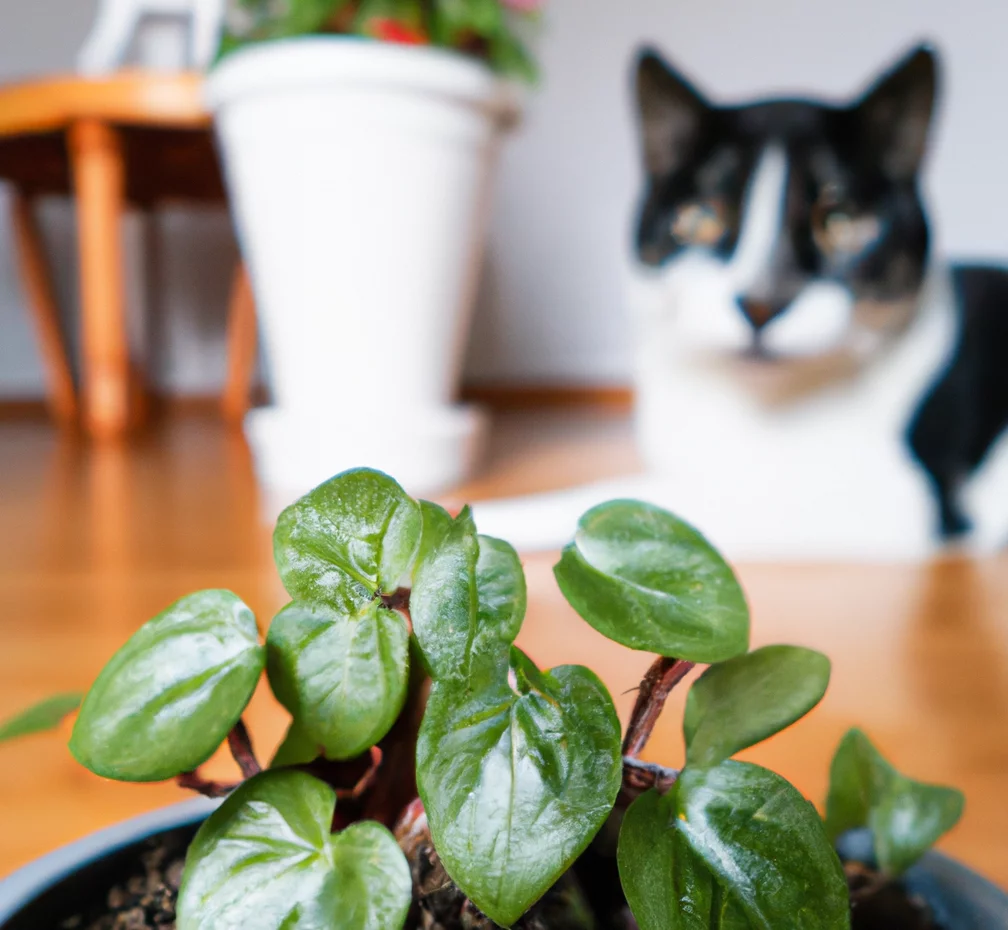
(41, 895)
(959, 898)
(77, 877)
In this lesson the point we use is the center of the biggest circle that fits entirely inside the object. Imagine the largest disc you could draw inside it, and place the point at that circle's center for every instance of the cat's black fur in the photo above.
(966, 409)
(857, 161)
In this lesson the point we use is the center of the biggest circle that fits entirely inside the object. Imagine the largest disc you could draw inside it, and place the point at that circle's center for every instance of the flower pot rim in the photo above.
(21, 887)
(285, 66)
(24, 885)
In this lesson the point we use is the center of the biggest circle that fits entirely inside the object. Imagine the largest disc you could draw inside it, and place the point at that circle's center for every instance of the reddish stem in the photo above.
(366, 780)
(193, 781)
(658, 683)
(397, 787)
(241, 748)
(399, 600)
(639, 777)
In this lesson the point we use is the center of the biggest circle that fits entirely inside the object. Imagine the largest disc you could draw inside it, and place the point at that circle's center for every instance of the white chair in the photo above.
(117, 21)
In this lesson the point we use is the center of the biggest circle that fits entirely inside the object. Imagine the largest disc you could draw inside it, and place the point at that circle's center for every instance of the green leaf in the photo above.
(910, 818)
(347, 541)
(443, 599)
(482, 17)
(667, 886)
(517, 768)
(260, 20)
(738, 703)
(517, 782)
(171, 695)
(764, 843)
(46, 715)
(646, 579)
(858, 774)
(733, 846)
(501, 601)
(343, 677)
(266, 859)
(468, 600)
(510, 57)
(297, 748)
(906, 817)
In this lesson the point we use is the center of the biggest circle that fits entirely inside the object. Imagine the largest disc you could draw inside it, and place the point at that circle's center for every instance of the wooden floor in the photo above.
(98, 538)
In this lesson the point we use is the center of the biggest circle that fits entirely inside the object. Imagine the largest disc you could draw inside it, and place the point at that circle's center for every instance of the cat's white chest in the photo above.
(828, 478)
(827, 474)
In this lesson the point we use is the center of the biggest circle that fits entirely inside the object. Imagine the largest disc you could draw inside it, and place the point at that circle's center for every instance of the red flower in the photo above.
(390, 30)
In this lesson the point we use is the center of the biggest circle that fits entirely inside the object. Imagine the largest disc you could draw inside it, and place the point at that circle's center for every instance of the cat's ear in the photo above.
(671, 113)
(895, 114)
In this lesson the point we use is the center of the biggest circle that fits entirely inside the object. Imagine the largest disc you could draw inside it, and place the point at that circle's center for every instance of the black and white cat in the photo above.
(809, 382)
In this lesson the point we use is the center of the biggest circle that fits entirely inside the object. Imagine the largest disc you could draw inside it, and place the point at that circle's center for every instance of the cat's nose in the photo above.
(760, 312)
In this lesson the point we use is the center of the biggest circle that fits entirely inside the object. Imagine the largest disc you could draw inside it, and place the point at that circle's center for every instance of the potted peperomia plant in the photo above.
(435, 777)
(359, 140)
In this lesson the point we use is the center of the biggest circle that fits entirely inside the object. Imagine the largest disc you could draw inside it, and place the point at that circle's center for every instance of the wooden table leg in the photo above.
(98, 171)
(241, 347)
(45, 314)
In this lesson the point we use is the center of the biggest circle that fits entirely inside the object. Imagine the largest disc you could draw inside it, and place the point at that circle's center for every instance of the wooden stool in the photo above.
(134, 138)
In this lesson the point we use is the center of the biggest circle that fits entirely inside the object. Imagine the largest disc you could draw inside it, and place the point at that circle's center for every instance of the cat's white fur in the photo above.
(116, 21)
(799, 458)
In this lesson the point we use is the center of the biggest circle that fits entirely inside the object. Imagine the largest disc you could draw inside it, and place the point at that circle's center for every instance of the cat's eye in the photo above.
(846, 233)
(699, 223)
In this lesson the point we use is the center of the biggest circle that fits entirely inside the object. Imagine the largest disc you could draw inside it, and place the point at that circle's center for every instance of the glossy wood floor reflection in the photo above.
(96, 539)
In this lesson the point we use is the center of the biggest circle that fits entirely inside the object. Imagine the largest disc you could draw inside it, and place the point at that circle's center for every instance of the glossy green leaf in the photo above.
(171, 695)
(502, 598)
(468, 600)
(518, 768)
(667, 886)
(738, 703)
(858, 774)
(906, 817)
(296, 748)
(342, 676)
(517, 780)
(910, 818)
(646, 579)
(348, 540)
(44, 716)
(764, 843)
(443, 599)
(266, 859)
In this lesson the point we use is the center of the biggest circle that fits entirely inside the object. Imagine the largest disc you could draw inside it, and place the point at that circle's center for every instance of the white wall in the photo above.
(552, 307)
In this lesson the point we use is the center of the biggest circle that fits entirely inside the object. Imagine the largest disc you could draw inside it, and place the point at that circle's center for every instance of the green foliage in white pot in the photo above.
(489, 30)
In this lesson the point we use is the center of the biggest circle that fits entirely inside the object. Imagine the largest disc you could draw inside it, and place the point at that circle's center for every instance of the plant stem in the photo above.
(193, 781)
(397, 787)
(366, 781)
(397, 600)
(871, 882)
(241, 748)
(639, 777)
(658, 683)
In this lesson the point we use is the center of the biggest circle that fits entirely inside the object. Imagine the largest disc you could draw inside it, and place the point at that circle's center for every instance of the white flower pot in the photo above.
(360, 176)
